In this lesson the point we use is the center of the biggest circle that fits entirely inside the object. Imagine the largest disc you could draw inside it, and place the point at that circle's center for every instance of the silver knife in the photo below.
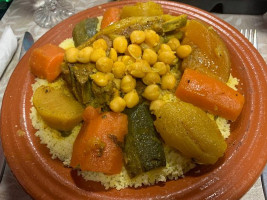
(27, 42)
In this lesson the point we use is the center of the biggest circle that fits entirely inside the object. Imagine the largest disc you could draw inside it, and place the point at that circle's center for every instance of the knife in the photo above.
(264, 181)
(27, 42)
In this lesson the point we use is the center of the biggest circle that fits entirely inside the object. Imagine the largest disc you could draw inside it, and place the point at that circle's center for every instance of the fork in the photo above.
(251, 35)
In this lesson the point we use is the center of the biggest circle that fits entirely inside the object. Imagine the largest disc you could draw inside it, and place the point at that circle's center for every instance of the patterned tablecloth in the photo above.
(20, 17)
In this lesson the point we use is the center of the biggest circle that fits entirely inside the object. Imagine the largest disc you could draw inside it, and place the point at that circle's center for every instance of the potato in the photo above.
(209, 55)
(188, 129)
(57, 108)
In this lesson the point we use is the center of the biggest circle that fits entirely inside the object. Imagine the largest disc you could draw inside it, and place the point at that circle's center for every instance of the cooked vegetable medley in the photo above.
(145, 82)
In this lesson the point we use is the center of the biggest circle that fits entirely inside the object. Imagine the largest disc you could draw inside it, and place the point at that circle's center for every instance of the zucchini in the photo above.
(143, 149)
(161, 24)
(84, 30)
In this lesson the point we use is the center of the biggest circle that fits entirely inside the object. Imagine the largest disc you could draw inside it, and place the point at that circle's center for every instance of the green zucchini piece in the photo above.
(161, 24)
(143, 149)
(84, 30)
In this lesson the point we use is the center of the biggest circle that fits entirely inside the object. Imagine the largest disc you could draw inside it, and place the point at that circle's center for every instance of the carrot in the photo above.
(210, 94)
(97, 146)
(110, 16)
(90, 113)
(45, 61)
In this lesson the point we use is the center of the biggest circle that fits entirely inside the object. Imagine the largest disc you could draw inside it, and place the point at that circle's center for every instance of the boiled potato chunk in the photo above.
(209, 53)
(57, 107)
(188, 129)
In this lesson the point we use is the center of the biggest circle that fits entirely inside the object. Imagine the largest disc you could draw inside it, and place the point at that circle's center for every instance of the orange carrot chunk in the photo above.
(210, 94)
(45, 61)
(90, 113)
(110, 16)
(97, 147)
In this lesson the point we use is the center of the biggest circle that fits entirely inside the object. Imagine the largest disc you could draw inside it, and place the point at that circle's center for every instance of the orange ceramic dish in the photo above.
(229, 178)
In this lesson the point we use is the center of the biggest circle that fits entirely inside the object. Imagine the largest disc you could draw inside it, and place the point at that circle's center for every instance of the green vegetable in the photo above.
(84, 30)
(160, 24)
(143, 149)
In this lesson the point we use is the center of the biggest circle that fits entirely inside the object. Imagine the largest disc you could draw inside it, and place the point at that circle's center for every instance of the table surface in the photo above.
(19, 17)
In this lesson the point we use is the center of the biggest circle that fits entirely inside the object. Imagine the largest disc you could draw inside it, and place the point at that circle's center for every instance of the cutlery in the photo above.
(251, 35)
(27, 42)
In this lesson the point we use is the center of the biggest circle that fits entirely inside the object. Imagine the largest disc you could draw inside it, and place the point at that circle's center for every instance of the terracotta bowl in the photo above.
(230, 178)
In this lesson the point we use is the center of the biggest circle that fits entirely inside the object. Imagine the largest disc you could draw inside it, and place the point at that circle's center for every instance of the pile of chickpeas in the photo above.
(125, 62)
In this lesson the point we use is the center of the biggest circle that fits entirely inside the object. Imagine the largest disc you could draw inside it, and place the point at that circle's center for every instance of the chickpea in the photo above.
(137, 37)
(168, 67)
(151, 78)
(151, 92)
(167, 57)
(84, 55)
(100, 44)
(71, 55)
(104, 64)
(139, 68)
(156, 104)
(118, 69)
(96, 54)
(135, 51)
(127, 60)
(145, 66)
(131, 99)
(174, 43)
(150, 56)
(118, 104)
(113, 54)
(152, 38)
(120, 44)
(160, 67)
(183, 51)
(101, 79)
(117, 82)
(128, 83)
(168, 81)
(119, 58)
(164, 47)
(109, 76)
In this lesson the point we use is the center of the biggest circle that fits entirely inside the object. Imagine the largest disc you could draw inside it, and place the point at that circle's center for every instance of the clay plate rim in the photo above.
(231, 177)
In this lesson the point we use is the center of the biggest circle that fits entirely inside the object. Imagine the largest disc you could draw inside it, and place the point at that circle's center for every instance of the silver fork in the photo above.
(251, 35)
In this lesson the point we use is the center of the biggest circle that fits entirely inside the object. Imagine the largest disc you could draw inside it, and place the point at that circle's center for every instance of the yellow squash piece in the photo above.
(57, 108)
(188, 129)
(209, 55)
(149, 8)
